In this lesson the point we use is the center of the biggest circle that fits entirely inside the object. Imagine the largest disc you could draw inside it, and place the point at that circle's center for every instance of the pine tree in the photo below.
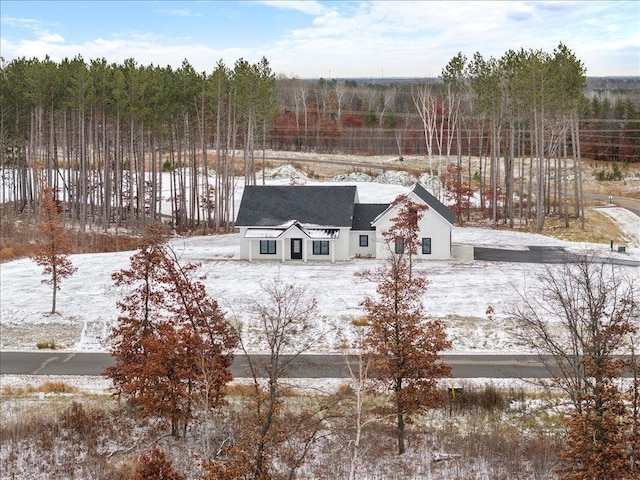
(54, 245)
(404, 348)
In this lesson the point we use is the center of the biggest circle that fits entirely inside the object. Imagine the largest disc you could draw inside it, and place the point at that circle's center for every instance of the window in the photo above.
(321, 247)
(364, 240)
(267, 247)
(399, 246)
(426, 246)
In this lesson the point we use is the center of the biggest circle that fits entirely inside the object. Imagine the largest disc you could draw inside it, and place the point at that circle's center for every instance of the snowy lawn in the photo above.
(460, 292)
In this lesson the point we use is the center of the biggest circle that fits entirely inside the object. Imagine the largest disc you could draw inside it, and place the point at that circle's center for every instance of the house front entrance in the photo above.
(296, 249)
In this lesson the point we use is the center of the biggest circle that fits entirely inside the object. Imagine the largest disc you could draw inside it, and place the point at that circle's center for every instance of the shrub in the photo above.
(489, 399)
(50, 344)
(57, 387)
(614, 174)
(239, 390)
(154, 465)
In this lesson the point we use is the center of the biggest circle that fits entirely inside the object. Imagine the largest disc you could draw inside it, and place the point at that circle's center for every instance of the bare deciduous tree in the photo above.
(273, 442)
(582, 317)
(359, 374)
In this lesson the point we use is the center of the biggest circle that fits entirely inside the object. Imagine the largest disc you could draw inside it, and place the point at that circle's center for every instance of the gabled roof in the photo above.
(430, 200)
(434, 203)
(365, 213)
(273, 205)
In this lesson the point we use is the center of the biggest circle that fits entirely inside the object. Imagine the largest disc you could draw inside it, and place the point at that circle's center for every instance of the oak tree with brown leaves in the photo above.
(403, 346)
(584, 317)
(53, 245)
(172, 344)
(457, 191)
(154, 465)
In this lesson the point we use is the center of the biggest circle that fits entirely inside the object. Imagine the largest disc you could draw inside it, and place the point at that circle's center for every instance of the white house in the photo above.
(316, 223)
(435, 226)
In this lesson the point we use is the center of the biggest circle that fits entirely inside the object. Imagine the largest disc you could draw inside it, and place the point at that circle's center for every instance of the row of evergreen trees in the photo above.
(101, 134)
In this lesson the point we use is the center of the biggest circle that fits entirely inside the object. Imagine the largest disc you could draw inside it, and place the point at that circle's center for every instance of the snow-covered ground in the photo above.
(460, 292)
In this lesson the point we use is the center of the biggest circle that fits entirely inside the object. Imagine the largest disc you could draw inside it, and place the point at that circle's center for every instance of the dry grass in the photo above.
(18, 236)
(51, 438)
(599, 228)
(57, 387)
(98, 437)
(46, 387)
(14, 252)
(64, 332)
(630, 187)
(237, 389)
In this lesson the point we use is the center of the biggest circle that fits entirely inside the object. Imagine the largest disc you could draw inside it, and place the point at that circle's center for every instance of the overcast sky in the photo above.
(312, 39)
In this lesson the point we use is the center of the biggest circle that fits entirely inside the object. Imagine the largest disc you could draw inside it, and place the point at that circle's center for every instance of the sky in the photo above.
(328, 39)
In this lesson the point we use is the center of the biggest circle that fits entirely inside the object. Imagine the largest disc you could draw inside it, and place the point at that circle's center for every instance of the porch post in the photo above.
(283, 245)
(332, 245)
(250, 243)
(304, 250)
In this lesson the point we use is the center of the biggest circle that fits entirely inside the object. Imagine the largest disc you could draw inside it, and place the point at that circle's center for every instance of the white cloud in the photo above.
(402, 38)
(179, 12)
(382, 34)
(47, 37)
(519, 12)
(310, 7)
(29, 23)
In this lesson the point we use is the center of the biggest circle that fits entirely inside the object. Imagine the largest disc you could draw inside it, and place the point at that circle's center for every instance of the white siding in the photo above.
(357, 250)
(244, 244)
(432, 225)
(338, 248)
(438, 229)
(342, 245)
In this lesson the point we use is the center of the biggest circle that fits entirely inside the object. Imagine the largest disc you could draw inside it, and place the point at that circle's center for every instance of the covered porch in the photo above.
(292, 241)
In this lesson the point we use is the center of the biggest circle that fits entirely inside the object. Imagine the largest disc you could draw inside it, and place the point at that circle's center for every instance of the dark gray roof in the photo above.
(272, 205)
(365, 213)
(434, 203)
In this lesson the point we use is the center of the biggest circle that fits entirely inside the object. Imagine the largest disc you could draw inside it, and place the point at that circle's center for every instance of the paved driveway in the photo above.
(540, 254)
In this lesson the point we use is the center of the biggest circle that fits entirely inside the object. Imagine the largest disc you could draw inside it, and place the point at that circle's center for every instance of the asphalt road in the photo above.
(624, 202)
(304, 366)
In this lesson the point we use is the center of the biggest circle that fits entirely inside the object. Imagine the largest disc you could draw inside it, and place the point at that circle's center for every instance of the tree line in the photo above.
(102, 134)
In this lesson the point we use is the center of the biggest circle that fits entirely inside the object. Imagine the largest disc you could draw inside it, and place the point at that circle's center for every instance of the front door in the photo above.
(296, 249)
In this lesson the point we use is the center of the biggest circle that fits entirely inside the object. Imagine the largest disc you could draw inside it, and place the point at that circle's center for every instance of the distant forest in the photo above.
(101, 134)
